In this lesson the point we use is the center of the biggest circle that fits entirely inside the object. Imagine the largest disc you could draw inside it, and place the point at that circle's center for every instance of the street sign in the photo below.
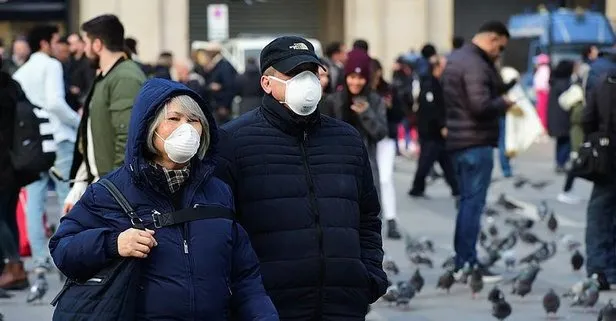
(217, 22)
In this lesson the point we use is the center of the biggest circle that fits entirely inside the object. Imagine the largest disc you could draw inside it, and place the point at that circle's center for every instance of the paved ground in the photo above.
(434, 218)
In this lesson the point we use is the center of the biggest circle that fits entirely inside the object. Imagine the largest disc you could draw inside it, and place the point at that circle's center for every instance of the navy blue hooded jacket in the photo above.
(304, 192)
(219, 273)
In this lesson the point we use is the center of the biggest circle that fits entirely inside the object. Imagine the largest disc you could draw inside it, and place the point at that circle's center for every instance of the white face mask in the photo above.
(303, 92)
(182, 144)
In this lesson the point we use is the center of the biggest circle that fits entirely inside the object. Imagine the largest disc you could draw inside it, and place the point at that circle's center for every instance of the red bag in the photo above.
(22, 227)
(24, 243)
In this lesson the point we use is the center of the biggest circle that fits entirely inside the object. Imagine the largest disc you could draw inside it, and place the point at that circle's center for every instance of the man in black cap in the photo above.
(304, 192)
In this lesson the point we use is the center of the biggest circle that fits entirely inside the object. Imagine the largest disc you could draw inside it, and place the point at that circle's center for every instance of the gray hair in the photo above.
(191, 109)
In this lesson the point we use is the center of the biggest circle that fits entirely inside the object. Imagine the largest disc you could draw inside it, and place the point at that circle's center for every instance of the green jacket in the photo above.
(109, 107)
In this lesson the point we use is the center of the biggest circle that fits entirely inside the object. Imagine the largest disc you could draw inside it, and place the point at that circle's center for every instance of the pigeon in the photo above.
(390, 266)
(520, 182)
(419, 259)
(588, 299)
(508, 205)
(4, 294)
(540, 184)
(489, 211)
(391, 295)
(509, 259)
(501, 309)
(577, 260)
(427, 244)
(446, 280)
(552, 222)
(542, 210)
(528, 237)
(503, 244)
(450, 262)
(494, 294)
(476, 282)
(551, 302)
(490, 258)
(413, 245)
(492, 230)
(578, 288)
(524, 281)
(483, 238)
(608, 313)
(520, 224)
(405, 293)
(38, 290)
(545, 252)
(417, 281)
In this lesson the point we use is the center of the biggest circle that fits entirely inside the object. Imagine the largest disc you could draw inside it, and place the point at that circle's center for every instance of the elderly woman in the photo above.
(200, 270)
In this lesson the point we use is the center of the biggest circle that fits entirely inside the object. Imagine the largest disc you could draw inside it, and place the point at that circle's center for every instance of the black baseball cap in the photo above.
(286, 53)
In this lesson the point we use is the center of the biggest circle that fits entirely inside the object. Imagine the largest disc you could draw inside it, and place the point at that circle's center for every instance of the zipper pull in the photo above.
(185, 247)
(305, 135)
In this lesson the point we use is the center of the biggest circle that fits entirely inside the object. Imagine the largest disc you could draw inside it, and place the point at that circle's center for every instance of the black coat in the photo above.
(431, 112)
(9, 93)
(472, 88)
(249, 88)
(558, 119)
(304, 192)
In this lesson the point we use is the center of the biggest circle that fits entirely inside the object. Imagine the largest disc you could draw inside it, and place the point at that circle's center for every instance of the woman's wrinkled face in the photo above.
(174, 117)
(356, 83)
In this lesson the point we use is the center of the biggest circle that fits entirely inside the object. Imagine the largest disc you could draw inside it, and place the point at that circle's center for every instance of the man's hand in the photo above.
(215, 86)
(360, 107)
(75, 90)
(444, 132)
(136, 243)
(515, 110)
(67, 208)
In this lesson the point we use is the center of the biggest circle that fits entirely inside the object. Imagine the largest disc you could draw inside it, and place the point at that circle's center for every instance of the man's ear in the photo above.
(266, 85)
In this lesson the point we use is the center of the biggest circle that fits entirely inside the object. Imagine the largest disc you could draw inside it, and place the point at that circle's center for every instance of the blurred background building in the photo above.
(390, 26)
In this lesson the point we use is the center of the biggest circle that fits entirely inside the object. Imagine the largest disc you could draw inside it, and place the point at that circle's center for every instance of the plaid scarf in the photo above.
(175, 177)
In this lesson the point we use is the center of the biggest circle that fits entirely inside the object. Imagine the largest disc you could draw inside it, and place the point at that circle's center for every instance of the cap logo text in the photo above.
(299, 46)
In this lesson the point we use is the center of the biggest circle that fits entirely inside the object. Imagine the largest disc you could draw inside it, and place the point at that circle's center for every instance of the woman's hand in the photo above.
(136, 243)
(360, 106)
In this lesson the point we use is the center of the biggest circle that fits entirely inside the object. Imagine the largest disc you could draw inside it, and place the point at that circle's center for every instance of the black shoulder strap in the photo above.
(192, 214)
(126, 207)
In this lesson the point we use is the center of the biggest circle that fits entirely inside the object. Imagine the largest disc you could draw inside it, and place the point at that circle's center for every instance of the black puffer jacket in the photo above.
(472, 89)
(304, 192)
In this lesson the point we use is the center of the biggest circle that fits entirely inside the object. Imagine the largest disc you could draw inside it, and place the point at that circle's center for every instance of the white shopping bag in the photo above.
(520, 131)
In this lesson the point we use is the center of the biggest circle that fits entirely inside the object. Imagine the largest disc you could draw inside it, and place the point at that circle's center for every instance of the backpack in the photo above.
(33, 149)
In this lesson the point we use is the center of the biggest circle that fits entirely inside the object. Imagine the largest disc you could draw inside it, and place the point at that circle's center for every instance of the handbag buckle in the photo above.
(156, 219)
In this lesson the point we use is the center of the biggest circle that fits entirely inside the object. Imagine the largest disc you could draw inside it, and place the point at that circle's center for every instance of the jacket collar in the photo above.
(284, 119)
(482, 54)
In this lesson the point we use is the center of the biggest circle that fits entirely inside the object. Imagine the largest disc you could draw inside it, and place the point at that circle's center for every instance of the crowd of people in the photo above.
(284, 200)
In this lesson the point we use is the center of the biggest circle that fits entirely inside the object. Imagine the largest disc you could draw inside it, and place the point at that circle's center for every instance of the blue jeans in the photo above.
(37, 197)
(473, 168)
(504, 160)
(563, 150)
(601, 231)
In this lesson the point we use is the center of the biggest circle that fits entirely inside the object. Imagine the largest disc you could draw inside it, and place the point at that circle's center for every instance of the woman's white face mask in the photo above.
(302, 93)
(182, 144)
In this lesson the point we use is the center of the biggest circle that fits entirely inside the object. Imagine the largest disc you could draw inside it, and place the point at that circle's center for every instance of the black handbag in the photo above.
(111, 293)
(595, 159)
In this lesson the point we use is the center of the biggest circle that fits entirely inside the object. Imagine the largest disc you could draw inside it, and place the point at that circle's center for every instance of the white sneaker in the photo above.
(568, 198)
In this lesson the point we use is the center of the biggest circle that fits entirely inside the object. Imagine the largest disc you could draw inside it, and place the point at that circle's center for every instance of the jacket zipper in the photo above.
(185, 233)
(317, 218)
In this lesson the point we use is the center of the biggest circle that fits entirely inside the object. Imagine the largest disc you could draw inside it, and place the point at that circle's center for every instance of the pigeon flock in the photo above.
(498, 238)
